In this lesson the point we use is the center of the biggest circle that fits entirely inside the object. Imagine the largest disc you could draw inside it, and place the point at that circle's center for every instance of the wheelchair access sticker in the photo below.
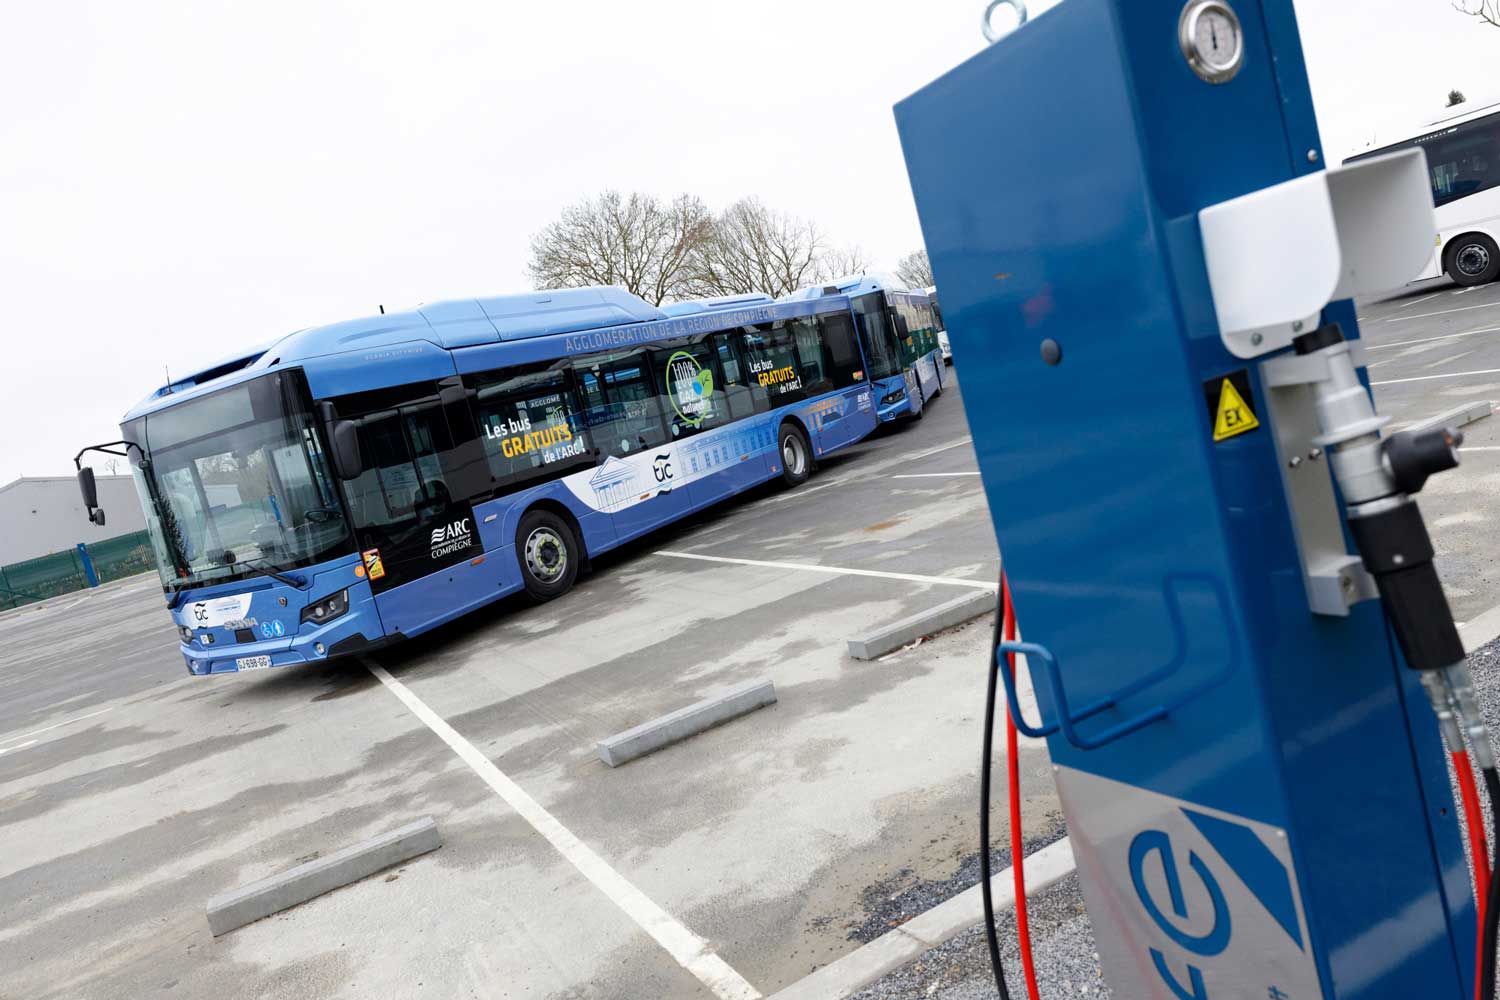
(1207, 903)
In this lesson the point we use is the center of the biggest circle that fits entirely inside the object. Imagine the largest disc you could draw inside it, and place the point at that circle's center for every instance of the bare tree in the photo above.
(1455, 98)
(842, 262)
(1487, 11)
(915, 269)
(636, 242)
(754, 248)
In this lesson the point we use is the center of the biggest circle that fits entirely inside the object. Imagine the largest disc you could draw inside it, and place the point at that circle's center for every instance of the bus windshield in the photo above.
(236, 482)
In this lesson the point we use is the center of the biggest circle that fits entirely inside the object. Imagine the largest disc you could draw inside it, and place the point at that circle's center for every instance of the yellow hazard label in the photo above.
(373, 566)
(1234, 415)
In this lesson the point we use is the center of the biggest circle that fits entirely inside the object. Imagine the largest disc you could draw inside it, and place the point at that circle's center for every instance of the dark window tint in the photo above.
(813, 363)
(693, 397)
(1465, 161)
(742, 393)
(621, 411)
(404, 450)
(843, 358)
(771, 361)
(530, 424)
(876, 336)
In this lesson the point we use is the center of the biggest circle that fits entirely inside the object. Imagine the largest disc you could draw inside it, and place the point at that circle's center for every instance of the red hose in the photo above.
(1479, 848)
(1012, 756)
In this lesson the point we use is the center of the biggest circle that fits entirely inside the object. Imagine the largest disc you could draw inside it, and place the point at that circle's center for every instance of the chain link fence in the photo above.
(63, 572)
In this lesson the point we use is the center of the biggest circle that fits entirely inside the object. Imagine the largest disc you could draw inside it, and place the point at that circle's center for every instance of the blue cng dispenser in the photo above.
(1233, 625)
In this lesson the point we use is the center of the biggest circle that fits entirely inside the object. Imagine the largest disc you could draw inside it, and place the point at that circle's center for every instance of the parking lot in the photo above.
(131, 793)
(1431, 349)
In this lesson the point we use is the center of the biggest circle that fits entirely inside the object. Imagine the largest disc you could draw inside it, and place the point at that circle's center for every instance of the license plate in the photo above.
(253, 662)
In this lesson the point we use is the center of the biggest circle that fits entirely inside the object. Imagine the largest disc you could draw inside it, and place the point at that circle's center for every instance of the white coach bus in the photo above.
(1463, 155)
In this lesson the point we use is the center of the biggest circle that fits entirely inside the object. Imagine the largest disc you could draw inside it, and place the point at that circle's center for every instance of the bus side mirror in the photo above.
(90, 491)
(88, 488)
(344, 438)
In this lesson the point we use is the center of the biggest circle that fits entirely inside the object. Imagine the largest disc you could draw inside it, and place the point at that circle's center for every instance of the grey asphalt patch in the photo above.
(882, 640)
(673, 727)
(931, 929)
(250, 903)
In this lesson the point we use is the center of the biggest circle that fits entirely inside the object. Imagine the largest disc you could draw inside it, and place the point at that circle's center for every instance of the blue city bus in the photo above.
(898, 333)
(363, 482)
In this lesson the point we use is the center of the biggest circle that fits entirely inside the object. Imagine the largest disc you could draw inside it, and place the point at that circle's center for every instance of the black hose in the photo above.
(984, 802)
(1486, 971)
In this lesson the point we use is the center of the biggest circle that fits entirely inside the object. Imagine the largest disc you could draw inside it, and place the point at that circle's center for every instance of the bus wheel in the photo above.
(548, 553)
(1473, 260)
(796, 455)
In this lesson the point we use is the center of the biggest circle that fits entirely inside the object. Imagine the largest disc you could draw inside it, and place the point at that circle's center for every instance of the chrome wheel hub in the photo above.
(546, 555)
(792, 456)
(1473, 259)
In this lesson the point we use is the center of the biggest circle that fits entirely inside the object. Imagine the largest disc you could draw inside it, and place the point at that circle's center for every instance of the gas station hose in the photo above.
(1005, 625)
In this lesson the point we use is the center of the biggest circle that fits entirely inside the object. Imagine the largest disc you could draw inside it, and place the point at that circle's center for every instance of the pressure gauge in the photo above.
(1212, 40)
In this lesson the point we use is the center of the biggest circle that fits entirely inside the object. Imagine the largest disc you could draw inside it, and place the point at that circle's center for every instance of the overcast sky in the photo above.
(178, 181)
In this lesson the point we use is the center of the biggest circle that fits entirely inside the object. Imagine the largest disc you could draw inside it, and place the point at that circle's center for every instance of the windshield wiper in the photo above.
(271, 570)
(275, 572)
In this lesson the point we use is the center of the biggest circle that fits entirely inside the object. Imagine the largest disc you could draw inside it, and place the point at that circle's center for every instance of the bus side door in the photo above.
(411, 505)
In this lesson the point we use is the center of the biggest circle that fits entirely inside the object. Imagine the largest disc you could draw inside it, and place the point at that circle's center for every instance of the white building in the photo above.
(40, 515)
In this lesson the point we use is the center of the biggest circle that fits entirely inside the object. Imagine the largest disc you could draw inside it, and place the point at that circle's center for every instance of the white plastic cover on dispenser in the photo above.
(1276, 257)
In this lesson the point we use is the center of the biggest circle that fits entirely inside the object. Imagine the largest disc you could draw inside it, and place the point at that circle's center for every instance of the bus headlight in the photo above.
(893, 397)
(327, 609)
(187, 635)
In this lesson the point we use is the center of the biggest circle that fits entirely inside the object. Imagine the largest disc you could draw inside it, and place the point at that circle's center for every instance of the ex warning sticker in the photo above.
(1229, 405)
(373, 566)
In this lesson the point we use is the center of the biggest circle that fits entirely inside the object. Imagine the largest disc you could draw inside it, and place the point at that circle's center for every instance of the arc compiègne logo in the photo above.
(452, 538)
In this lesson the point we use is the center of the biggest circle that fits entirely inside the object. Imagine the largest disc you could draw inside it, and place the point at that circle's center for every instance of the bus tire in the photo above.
(548, 553)
(796, 454)
(917, 414)
(1473, 259)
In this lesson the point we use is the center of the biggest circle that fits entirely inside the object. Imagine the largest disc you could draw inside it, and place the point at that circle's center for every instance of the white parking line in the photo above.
(1425, 378)
(1430, 340)
(18, 746)
(949, 581)
(1443, 312)
(940, 448)
(933, 475)
(1417, 302)
(59, 725)
(690, 951)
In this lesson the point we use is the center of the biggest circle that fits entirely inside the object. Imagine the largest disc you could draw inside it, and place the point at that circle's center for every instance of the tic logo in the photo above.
(690, 386)
(661, 467)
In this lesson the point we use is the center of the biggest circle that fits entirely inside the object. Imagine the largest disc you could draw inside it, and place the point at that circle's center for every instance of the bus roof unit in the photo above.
(449, 325)
(718, 303)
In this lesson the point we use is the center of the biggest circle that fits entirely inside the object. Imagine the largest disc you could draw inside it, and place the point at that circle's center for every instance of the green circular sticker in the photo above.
(689, 385)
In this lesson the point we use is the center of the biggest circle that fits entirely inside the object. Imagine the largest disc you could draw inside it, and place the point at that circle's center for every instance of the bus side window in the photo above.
(875, 336)
(743, 396)
(771, 361)
(812, 364)
(530, 424)
(620, 406)
(693, 396)
(844, 363)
